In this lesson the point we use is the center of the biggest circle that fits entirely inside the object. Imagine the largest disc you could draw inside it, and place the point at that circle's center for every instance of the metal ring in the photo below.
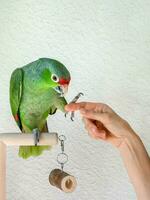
(65, 158)
(62, 137)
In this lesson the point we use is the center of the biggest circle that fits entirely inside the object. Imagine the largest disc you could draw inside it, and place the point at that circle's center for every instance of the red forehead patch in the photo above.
(64, 81)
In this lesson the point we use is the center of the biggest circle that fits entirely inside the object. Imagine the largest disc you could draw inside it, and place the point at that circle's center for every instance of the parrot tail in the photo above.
(27, 151)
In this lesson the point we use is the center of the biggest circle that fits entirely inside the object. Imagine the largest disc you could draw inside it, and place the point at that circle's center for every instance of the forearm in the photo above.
(137, 163)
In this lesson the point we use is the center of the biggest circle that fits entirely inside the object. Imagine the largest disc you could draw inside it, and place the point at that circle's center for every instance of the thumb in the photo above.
(99, 116)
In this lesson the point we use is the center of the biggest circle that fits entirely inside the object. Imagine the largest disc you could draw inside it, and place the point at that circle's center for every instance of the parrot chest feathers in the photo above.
(34, 109)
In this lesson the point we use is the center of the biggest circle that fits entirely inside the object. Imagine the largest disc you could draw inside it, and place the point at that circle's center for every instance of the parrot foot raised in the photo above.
(75, 99)
(36, 135)
(72, 115)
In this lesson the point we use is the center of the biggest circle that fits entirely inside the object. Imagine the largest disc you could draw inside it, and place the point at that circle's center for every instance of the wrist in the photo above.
(137, 163)
(129, 140)
(127, 136)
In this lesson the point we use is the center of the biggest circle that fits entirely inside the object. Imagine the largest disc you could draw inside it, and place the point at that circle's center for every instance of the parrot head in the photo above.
(55, 75)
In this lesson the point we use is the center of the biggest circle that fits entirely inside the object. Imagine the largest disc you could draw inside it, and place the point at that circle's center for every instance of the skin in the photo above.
(103, 123)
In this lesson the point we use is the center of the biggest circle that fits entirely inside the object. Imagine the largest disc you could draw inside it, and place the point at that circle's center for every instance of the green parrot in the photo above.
(37, 90)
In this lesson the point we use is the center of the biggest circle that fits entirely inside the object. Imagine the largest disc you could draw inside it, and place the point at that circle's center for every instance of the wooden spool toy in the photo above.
(62, 180)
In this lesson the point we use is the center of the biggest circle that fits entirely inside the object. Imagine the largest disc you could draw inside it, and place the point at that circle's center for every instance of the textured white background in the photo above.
(106, 46)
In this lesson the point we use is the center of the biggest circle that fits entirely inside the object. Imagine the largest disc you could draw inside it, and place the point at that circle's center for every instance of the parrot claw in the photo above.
(66, 114)
(36, 135)
(75, 99)
(72, 116)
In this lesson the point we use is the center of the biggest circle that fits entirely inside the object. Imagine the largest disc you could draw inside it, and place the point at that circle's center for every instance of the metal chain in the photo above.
(62, 158)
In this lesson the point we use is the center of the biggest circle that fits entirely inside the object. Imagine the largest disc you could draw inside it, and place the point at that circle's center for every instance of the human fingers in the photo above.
(86, 105)
(111, 121)
(78, 106)
(93, 130)
(100, 116)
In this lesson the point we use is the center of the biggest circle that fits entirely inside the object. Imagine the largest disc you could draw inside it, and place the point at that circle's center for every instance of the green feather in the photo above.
(16, 94)
(33, 98)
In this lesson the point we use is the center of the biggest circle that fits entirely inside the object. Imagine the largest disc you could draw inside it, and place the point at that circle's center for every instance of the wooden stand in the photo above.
(62, 180)
(17, 139)
(2, 171)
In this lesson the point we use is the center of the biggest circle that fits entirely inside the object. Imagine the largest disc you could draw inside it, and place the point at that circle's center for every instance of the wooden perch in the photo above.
(17, 139)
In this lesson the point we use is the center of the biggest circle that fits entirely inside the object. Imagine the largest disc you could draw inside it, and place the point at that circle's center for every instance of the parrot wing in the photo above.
(60, 103)
(52, 110)
(16, 94)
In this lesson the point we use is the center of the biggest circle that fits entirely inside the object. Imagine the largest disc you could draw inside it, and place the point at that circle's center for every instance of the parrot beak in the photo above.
(62, 89)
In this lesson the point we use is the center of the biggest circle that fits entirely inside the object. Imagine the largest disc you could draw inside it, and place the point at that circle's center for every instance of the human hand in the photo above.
(102, 122)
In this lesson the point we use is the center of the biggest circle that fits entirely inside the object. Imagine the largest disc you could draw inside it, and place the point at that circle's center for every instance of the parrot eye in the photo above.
(55, 78)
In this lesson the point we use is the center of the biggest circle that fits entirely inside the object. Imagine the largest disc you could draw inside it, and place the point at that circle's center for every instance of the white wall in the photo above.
(106, 46)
